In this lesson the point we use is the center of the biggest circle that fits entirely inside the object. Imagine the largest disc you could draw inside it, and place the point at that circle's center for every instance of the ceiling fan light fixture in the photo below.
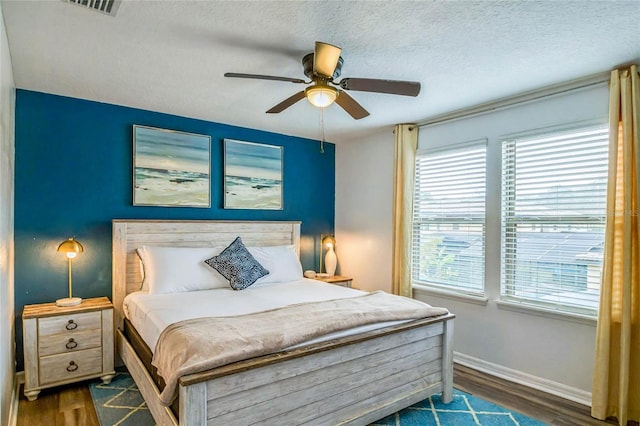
(321, 95)
(323, 66)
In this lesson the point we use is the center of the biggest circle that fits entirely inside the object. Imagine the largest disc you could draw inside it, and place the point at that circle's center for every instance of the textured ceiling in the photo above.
(170, 56)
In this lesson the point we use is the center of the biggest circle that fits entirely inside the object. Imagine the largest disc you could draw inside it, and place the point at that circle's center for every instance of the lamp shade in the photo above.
(321, 95)
(328, 241)
(70, 247)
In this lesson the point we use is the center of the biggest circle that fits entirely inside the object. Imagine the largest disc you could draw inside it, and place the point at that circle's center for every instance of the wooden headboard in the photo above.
(128, 235)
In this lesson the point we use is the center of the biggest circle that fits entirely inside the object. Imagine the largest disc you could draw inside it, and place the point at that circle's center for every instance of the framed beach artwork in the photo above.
(252, 175)
(171, 168)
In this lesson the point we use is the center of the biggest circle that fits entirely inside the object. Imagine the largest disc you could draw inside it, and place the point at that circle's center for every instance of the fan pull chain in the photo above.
(322, 129)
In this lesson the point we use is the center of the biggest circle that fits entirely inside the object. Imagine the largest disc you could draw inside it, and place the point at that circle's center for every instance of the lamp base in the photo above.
(330, 262)
(69, 301)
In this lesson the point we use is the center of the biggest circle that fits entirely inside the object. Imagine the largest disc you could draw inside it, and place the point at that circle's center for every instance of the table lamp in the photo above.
(330, 259)
(70, 248)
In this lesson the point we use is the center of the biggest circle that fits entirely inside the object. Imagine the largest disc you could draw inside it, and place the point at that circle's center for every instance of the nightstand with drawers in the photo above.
(67, 344)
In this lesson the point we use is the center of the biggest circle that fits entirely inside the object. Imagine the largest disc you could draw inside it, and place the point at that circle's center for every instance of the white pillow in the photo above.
(179, 269)
(281, 261)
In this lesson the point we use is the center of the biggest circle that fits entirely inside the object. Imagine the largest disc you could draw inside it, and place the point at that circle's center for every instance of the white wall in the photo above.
(553, 349)
(364, 193)
(7, 119)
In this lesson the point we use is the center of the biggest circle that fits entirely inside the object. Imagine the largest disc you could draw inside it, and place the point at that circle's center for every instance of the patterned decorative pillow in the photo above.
(236, 264)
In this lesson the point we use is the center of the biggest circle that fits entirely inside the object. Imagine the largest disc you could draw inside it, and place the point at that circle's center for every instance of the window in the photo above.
(553, 217)
(449, 218)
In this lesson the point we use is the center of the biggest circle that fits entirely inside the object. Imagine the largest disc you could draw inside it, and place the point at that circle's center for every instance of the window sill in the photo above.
(548, 313)
(461, 297)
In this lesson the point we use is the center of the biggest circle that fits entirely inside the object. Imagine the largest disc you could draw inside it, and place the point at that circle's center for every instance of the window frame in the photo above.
(445, 290)
(508, 231)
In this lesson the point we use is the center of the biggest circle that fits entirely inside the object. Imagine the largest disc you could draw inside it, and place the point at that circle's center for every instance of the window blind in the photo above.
(449, 218)
(553, 217)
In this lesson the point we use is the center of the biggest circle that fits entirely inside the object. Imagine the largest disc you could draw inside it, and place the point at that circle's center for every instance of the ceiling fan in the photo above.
(323, 66)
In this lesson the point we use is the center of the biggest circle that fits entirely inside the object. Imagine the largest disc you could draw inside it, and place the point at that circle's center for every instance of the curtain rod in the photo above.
(525, 97)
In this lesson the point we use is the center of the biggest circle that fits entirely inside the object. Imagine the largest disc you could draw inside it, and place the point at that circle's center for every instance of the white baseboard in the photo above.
(554, 388)
(18, 379)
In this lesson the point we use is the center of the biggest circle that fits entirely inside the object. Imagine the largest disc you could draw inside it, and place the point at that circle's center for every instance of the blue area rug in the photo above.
(465, 409)
(120, 403)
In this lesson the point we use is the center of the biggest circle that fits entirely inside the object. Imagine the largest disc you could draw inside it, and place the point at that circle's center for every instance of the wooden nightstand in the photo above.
(67, 344)
(337, 280)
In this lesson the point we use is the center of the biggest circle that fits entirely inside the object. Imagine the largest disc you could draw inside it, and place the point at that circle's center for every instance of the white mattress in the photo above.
(151, 314)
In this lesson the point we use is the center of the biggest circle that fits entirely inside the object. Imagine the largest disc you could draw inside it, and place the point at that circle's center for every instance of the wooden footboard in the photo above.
(350, 381)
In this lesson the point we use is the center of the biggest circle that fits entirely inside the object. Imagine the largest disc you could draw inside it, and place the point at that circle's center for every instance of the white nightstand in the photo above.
(337, 280)
(67, 344)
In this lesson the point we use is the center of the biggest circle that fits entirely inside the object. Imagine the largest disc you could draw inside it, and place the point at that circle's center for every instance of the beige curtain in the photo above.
(616, 379)
(406, 143)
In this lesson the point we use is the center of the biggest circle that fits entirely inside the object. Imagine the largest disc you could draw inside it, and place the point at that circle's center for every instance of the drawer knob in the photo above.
(71, 344)
(72, 366)
(71, 325)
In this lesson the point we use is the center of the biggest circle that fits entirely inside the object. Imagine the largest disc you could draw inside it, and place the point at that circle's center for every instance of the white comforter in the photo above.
(151, 314)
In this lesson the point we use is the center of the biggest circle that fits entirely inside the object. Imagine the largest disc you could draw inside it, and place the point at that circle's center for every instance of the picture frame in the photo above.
(253, 175)
(171, 168)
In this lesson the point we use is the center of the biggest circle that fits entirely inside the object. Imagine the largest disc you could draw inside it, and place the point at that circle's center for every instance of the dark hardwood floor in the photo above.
(530, 402)
(72, 405)
(62, 406)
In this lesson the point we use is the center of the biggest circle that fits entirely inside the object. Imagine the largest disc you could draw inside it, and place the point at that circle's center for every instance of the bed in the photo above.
(355, 379)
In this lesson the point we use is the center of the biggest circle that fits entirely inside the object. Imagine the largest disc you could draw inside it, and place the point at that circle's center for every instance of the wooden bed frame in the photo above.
(353, 380)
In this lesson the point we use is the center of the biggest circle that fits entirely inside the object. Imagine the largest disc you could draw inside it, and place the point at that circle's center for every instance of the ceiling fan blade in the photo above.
(263, 77)
(393, 87)
(350, 105)
(325, 59)
(286, 103)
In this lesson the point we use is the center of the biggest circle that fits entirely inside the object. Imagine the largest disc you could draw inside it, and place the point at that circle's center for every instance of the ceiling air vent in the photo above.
(108, 7)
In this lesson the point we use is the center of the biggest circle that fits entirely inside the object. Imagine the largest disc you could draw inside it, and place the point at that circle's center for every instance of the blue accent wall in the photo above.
(73, 175)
